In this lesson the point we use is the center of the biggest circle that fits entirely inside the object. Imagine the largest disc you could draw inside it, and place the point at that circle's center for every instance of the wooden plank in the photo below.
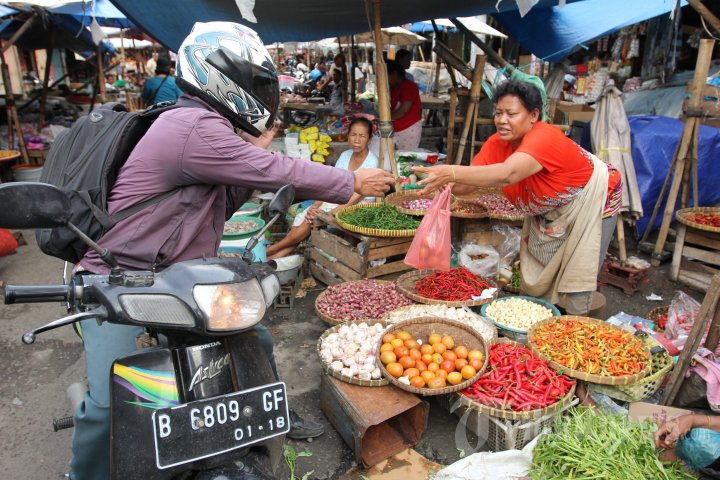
(702, 255)
(342, 271)
(321, 275)
(389, 251)
(703, 238)
(330, 245)
(387, 268)
(677, 253)
(379, 242)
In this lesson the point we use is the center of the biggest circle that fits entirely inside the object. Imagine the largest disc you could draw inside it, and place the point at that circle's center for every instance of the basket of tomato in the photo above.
(702, 218)
(517, 385)
(431, 356)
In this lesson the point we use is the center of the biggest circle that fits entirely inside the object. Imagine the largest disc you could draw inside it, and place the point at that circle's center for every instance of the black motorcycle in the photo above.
(199, 400)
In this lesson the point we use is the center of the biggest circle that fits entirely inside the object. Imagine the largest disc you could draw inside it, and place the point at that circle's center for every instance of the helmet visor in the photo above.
(258, 81)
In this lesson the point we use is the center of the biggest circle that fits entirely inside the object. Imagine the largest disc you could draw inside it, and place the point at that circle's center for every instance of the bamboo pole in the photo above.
(437, 44)
(46, 81)
(689, 137)
(705, 13)
(101, 74)
(492, 54)
(353, 85)
(475, 90)
(383, 92)
(28, 23)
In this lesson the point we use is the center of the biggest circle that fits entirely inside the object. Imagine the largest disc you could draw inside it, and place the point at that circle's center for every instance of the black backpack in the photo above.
(84, 162)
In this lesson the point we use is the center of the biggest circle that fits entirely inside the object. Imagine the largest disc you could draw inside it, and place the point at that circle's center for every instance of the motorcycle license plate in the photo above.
(209, 427)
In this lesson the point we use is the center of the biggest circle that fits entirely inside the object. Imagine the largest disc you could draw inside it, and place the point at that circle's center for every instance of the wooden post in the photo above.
(687, 140)
(708, 310)
(46, 81)
(353, 85)
(621, 239)
(14, 122)
(437, 45)
(383, 92)
(101, 74)
(28, 23)
(492, 54)
(705, 13)
(475, 90)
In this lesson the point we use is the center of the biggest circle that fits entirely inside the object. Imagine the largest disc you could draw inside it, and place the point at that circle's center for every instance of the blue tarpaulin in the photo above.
(5, 11)
(554, 33)
(654, 141)
(106, 14)
(169, 21)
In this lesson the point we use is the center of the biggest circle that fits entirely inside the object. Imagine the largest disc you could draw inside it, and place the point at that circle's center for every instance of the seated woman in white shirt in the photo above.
(357, 157)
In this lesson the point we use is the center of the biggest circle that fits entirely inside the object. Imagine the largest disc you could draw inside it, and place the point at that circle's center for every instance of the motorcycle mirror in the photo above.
(33, 205)
(282, 200)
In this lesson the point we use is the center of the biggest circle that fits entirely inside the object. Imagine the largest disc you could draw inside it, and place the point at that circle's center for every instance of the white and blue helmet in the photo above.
(227, 65)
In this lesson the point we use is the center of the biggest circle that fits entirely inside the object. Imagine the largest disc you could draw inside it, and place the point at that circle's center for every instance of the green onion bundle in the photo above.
(383, 217)
(586, 445)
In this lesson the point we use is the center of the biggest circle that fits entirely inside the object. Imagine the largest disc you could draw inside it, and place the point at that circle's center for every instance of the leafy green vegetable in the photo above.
(291, 456)
(586, 445)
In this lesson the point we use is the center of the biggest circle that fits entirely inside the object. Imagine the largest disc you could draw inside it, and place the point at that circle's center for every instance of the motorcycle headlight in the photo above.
(234, 306)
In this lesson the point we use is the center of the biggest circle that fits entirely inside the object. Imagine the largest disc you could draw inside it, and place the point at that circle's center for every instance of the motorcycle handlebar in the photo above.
(37, 293)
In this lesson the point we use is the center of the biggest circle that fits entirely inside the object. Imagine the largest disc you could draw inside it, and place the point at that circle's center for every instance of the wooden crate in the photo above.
(337, 255)
(481, 231)
(696, 257)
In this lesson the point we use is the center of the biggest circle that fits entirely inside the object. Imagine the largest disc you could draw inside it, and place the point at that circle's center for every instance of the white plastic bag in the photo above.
(510, 248)
(479, 259)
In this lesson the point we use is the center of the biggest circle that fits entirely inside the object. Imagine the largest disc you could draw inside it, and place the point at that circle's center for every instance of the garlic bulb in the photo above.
(337, 366)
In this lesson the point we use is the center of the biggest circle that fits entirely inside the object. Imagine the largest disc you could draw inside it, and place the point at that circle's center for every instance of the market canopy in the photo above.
(390, 36)
(554, 33)
(103, 11)
(472, 23)
(169, 21)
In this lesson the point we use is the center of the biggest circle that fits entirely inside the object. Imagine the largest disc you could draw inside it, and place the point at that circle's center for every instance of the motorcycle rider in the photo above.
(230, 82)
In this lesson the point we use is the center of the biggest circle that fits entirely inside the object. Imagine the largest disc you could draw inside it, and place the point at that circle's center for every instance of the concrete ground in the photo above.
(34, 378)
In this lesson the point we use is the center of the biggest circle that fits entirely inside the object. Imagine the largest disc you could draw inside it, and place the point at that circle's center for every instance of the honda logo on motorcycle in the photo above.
(207, 372)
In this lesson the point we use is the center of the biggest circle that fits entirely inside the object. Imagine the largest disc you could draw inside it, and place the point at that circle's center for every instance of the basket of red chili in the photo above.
(517, 385)
(702, 218)
(591, 350)
(457, 287)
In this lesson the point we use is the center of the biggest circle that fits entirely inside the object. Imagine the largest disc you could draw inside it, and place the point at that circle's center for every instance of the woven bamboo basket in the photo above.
(579, 374)
(398, 198)
(683, 216)
(492, 328)
(373, 232)
(512, 414)
(406, 284)
(421, 328)
(539, 301)
(337, 321)
(662, 363)
(657, 312)
(457, 203)
(382, 381)
(475, 196)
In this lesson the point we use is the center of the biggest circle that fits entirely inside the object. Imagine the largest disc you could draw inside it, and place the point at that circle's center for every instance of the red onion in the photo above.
(364, 299)
(498, 204)
(417, 204)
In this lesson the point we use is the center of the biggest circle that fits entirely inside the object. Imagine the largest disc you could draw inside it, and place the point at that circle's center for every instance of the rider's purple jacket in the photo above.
(196, 152)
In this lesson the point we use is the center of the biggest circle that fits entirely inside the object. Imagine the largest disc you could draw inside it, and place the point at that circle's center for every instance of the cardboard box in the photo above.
(639, 411)
(567, 112)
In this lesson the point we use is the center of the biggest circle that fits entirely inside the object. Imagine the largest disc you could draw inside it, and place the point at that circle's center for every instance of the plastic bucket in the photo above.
(259, 224)
(249, 209)
(238, 247)
(27, 172)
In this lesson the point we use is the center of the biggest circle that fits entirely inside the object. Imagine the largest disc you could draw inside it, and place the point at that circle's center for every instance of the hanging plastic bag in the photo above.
(681, 316)
(510, 248)
(430, 249)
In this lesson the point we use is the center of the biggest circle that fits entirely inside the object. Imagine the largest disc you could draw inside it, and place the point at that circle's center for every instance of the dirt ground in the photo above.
(35, 377)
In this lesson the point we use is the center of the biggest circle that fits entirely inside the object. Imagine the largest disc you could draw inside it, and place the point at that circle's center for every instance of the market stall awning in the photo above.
(390, 36)
(84, 11)
(472, 23)
(169, 21)
(553, 33)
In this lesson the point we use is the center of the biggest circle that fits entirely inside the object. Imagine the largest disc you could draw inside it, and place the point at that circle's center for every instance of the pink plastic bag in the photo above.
(430, 249)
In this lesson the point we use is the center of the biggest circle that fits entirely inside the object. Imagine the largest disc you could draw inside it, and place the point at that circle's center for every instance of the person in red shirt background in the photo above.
(405, 108)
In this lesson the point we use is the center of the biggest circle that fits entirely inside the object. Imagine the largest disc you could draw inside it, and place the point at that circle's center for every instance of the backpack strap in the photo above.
(152, 97)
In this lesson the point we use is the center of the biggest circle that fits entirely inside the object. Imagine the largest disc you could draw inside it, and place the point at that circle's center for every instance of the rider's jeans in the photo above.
(91, 438)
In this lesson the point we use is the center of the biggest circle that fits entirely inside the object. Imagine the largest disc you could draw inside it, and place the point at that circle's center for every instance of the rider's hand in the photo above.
(372, 182)
(264, 140)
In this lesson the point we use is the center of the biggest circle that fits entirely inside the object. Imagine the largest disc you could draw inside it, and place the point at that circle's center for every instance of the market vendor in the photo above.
(571, 198)
(357, 157)
(695, 439)
(405, 108)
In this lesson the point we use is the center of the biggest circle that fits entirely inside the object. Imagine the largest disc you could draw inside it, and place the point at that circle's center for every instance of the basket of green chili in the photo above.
(377, 220)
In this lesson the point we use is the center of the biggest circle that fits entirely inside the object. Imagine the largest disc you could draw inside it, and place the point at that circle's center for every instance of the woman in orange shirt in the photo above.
(570, 197)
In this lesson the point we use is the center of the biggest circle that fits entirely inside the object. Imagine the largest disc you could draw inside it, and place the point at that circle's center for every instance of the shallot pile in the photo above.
(498, 204)
(461, 315)
(351, 350)
(364, 299)
(417, 204)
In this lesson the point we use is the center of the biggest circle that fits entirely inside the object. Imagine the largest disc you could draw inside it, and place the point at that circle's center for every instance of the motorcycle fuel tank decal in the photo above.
(158, 388)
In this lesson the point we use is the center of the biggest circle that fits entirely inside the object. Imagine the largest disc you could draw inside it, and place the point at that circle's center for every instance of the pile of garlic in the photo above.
(518, 313)
(485, 329)
(352, 350)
